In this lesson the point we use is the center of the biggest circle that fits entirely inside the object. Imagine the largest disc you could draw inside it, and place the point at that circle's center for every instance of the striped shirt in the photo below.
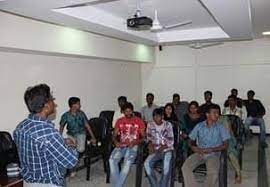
(160, 135)
(43, 154)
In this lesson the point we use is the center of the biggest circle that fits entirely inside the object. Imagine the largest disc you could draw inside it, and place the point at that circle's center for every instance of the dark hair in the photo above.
(127, 105)
(36, 97)
(149, 94)
(234, 90)
(208, 92)
(212, 107)
(173, 115)
(122, 98)
(195, 103)
(176, 95)
(232, 97)
(158, 111)
(251, 92)
(171, 105)
(73, 100)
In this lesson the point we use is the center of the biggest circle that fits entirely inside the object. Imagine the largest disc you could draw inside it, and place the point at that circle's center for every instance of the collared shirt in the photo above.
(211, 136)
(147, 113)
(239, 102)
(42, 152)
(181, 109)
(160, 136)
(240, 112)
(75, 122)
(254, 108)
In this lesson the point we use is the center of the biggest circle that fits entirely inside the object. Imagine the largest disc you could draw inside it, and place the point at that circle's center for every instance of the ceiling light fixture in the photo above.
(266, 33)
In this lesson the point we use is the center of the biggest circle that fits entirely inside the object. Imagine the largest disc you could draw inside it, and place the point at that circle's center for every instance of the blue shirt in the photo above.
(75, 122)
(42, 152)
(208, 137)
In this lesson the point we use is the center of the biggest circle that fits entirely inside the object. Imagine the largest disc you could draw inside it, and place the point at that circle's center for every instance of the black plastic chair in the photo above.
(8, 151)
(107, 115)
(102, 148)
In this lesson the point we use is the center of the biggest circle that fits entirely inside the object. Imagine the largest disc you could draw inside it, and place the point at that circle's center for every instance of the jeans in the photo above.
(166, 158)
(129, 155)
(255, 121)
(212, 168)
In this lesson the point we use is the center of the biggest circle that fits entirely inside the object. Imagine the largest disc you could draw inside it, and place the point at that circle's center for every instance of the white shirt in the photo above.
(240, 112)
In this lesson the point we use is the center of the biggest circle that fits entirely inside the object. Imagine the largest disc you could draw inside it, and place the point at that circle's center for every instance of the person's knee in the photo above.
(186, 167)
(147, 166)
(115, 157)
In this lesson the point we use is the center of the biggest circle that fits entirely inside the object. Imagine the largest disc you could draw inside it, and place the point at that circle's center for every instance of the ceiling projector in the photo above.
(139, 23)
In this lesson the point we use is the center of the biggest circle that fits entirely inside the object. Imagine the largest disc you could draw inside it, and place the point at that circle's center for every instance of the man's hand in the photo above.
(94, 141)
(207, 150)
(117, 144)
(183, 136)
(70, 142)
(151, 148)
(162, 148)
(198, 150)
(132, 143)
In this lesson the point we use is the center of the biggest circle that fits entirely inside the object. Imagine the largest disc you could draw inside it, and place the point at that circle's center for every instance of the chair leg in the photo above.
(104, 157)
(108, 175)
(139, 172)
(88, 166)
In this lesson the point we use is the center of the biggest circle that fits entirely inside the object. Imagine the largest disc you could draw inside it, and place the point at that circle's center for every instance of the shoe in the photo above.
(264, 145)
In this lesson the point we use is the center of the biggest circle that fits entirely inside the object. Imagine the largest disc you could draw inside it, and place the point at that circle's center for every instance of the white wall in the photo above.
(74, 63)
(242, 65)
(97, 82)
(22, 33)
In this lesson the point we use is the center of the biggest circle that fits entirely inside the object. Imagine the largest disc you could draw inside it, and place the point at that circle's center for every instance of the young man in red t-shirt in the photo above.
(128, 134)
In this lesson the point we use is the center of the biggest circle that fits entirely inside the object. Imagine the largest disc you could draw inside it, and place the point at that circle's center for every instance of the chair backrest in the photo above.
(108, 116)
(99, 128)
(8, 150)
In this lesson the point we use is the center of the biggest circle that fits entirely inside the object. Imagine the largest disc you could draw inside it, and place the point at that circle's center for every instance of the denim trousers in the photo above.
(166, 158)
(129, 154)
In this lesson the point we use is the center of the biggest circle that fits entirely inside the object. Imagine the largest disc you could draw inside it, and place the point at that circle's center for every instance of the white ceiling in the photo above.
(211, 19)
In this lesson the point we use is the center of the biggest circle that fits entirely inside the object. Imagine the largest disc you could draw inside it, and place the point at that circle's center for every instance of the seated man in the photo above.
(208, 101)
(128, 134)
(233, 109)
(239, 101)
(255, 113)
(147, 110)
(76, 122)
(180, 107)
(160, 138)
(212, 138)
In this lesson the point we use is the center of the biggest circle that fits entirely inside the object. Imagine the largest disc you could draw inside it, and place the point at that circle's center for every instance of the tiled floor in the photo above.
(249, 172)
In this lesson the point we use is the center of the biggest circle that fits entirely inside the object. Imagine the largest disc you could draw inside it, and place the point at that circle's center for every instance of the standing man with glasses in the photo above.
(44, 154)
